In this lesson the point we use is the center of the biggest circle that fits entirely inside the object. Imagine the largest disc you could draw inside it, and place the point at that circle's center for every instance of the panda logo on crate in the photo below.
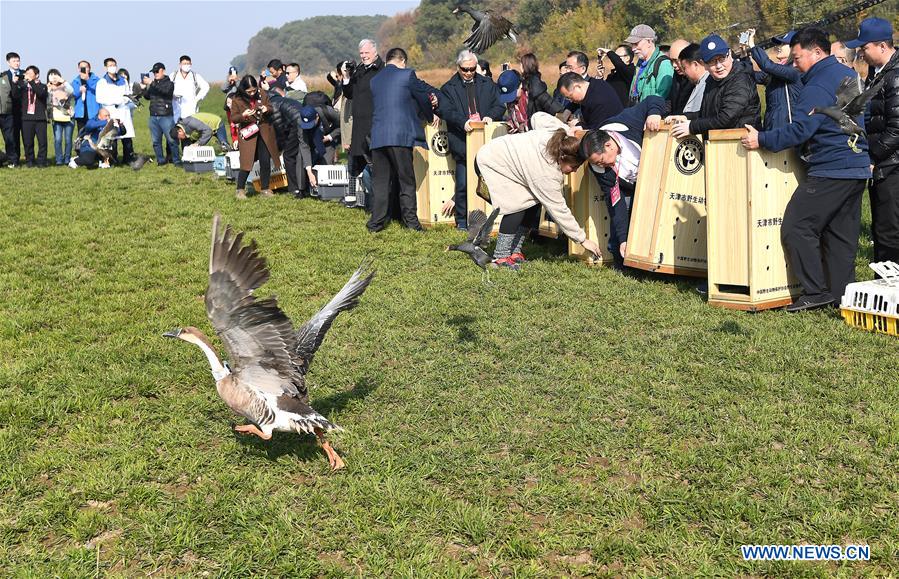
(440, 143)
(688, 156)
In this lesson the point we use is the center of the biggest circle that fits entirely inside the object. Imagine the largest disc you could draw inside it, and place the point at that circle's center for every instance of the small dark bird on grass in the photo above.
(479, 227)
(487, 29)
(851, 101)
(140, 161)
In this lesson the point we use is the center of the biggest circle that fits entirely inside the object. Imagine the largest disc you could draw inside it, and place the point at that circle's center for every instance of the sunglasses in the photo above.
(472, 69)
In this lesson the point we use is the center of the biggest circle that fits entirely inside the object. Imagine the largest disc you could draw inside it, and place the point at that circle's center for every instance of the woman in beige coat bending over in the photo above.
(524, 171)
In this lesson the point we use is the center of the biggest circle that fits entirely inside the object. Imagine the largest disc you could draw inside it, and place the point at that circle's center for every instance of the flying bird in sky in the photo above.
(488, 28)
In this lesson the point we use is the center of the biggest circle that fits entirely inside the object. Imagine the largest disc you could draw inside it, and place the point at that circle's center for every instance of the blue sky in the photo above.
(56, 34)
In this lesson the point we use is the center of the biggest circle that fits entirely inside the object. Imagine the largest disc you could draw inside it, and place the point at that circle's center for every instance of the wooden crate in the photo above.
(481, 134)
(668, 217)
(435, 176)
(588, 205)
(747, 193)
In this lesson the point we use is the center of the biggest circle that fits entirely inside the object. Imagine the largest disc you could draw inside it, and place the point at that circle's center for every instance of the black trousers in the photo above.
(265, 167)
(885, 217)
(86, 159)
(461, 194)
(11, 150)
(127, 150)
(387, 163)
(511, 222)
(30, 131)
(820, 233)
(291, 148)
(16, 132)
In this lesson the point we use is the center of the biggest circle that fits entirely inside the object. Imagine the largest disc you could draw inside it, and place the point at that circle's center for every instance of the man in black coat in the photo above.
(595, 98)
(730, 100)
(875, 41)
(357, 86)
(287, 118)
(468, 97)
(159, 89)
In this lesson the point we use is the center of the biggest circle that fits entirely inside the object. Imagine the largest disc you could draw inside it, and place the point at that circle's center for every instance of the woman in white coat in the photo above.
(524, 171)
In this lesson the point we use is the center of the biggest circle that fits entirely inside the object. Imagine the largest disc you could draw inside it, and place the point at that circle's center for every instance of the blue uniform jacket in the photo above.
(828, 154)
(783, 84)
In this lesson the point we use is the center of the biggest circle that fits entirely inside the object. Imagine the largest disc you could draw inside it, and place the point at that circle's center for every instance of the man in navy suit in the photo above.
(468, 97)
(401, 102)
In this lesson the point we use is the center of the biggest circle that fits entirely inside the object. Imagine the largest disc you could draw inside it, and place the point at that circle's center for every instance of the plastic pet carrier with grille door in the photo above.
(874, 305)
(333, 182)
(197, 159)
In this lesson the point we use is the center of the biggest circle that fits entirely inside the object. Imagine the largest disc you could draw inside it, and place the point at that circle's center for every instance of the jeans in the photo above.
(62, 139)
(161, 127)
(222, 135)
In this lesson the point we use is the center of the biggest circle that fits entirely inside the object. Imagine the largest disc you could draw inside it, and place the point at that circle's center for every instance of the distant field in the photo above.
(563, 421)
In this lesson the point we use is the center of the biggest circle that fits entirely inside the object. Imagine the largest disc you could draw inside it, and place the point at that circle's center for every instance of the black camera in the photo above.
(84, 69)
(350, 66)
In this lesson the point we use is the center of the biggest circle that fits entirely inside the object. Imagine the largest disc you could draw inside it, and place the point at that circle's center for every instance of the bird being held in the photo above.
(103, 146)
(487, 29)
(267, 382)
(851, 101)
(141, 160)
(479, 228)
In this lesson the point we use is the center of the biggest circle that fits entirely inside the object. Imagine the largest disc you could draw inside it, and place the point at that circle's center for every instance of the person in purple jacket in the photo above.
(823, 218)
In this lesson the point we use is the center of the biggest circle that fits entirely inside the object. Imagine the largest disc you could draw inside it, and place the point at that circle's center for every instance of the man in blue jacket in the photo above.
(613, 152)
(401, 101)
(468, 97)
(822, 220)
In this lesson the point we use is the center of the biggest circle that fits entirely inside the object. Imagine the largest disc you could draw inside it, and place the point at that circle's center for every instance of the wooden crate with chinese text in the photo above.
(747, 193)
(435, 177)
(588, 205)
(668, 218)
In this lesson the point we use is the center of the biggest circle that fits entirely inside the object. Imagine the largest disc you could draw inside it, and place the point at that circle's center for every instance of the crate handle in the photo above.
(888, 271)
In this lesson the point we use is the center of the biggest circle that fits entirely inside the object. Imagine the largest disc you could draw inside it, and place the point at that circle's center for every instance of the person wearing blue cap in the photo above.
(312, 145)
(730, 99)
(781, 79)
(823, 218)
(875, 43)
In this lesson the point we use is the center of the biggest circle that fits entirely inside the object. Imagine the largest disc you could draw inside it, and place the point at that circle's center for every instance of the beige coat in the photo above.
(519, 175)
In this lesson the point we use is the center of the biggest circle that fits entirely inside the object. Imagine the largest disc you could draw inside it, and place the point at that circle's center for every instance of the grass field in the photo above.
(562, 421)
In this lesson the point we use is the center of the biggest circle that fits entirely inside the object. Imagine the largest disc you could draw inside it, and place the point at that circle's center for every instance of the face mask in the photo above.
(112, 69)
(185, 68)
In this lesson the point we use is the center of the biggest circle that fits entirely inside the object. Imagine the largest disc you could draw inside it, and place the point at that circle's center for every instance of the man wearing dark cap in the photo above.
(730, 99)
(158, 89)
(875, 43)
(655, 73)
(823, 218)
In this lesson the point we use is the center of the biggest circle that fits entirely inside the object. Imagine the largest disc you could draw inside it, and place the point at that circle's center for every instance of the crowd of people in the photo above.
(596, 114)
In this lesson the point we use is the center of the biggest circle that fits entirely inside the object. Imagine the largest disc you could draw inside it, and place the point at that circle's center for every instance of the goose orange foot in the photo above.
(333, 458)
(251, 429)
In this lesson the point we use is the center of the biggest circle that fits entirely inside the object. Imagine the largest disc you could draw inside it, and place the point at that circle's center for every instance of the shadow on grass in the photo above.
(304, 446)
(462, 323)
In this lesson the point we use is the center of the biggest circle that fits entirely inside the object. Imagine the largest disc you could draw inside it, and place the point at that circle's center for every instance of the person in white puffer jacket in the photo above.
(190, 89)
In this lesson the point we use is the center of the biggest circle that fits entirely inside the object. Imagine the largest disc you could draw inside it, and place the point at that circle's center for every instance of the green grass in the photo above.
(562, 421)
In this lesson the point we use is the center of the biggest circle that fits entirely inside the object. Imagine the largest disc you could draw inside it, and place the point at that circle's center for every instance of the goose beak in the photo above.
(172, 333)
(455, 10)
(447, 249)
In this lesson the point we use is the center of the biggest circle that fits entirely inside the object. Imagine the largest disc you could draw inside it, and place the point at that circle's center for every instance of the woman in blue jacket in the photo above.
(85, 86)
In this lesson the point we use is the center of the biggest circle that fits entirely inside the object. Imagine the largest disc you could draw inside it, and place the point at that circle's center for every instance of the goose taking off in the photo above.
(487, 29)
(479, 227)
(851, 101)
(267, 382)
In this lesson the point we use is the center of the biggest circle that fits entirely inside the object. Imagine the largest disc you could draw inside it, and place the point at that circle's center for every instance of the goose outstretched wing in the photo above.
(309, 337)
(483, 235)
(257, 334)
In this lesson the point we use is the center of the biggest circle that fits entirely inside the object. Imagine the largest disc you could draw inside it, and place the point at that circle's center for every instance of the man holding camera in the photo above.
(11, 122)
(357, 87)
(159, 89)
(85, 87)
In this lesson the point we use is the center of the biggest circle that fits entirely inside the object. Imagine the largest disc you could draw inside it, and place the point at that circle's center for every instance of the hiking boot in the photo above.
(809, 303)
(505, 263)
(241, 194)
(266, 193)
(518, 257)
